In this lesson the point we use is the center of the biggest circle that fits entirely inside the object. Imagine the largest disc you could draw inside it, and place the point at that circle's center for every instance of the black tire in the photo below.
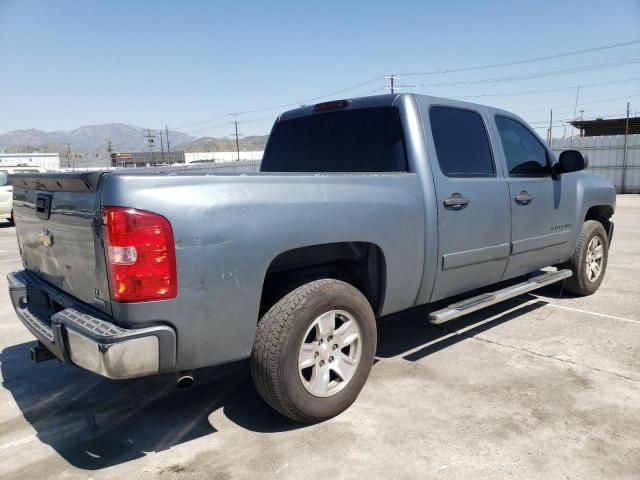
(580, 283)
(279, 337)
(11, 219)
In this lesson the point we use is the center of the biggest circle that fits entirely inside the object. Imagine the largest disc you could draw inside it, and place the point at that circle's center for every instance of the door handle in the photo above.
(456, 201)
(523, 198)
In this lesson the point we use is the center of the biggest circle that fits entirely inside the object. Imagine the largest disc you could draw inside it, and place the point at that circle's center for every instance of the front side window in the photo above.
(461, 141)
(524, 153)
(4, 179)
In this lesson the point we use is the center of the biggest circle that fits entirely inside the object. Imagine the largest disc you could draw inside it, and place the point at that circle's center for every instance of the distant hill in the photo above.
(89, 143)
(212, 144)
(89, 137)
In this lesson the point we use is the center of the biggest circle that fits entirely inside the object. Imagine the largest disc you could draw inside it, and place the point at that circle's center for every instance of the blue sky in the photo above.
(187, 64)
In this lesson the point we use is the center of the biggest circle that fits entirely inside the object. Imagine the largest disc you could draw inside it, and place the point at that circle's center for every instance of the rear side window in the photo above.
(524, 153)
(462, 144)
(359, 140)
(4, 179)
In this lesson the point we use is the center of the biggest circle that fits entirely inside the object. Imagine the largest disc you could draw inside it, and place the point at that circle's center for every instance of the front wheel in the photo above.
(313, 350)
(589, 260)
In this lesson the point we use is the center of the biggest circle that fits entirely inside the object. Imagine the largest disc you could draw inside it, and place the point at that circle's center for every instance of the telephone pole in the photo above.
(235, 122)
(550, 131)
(575, 111)
(624, 153)
(68, 155)
(150, 139)
(161, 145)
(391, 79)
(110, 150)
(166, 130)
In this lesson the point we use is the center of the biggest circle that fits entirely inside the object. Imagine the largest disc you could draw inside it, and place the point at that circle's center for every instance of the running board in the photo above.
(472, 304)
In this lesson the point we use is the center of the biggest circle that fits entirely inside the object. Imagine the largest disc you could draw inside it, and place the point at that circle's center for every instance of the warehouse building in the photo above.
(49, 161)
(150, 159)
(221, 157)
(145, 159)
(613, 126)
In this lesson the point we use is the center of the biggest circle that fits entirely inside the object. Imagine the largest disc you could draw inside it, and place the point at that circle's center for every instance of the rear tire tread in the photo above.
(271, 334)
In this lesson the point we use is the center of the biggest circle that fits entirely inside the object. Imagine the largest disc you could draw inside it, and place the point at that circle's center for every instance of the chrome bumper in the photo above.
(79, 338)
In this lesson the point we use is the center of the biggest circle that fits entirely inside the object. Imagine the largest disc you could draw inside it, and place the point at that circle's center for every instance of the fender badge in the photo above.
(45, 237)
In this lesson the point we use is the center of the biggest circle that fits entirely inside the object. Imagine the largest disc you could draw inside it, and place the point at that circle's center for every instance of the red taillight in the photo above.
(332, 105)
(141, 257)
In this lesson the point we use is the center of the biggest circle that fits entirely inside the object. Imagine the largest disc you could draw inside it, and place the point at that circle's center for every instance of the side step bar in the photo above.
(478, 302)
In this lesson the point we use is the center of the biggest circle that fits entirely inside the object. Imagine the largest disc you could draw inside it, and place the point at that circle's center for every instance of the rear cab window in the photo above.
(357, 140)
(462, 144)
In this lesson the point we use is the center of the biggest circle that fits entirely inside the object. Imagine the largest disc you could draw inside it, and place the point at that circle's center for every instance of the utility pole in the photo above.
(624, 154)
(166, 130)
(575, 110)
(235, 122)
(550, 131)
(109, 150)
(150, 138)
(161, 146)
(391, 79)
(68, 155)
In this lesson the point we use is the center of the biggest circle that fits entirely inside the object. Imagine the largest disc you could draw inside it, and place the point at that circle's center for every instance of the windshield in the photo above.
(359, 140)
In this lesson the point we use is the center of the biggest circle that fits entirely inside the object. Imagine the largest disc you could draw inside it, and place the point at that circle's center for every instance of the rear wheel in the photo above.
(314, 350)
(589, 260)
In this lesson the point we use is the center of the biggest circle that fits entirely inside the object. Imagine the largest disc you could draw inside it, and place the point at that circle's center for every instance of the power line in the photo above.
(302, 102)
(391, 79)
(550, 90)
(529, 76)
(521, 62)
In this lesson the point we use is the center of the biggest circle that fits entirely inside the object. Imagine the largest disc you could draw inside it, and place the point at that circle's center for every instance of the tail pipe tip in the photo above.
(185, 380)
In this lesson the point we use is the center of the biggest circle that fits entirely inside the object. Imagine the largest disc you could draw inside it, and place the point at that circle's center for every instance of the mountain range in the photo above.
(89, 143)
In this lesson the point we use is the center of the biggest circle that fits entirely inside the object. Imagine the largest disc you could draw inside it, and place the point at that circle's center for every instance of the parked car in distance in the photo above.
(6, 190)
(362, 208)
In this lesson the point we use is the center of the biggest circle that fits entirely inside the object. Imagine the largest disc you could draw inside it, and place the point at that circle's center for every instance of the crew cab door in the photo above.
(543, 208)
(474, 220)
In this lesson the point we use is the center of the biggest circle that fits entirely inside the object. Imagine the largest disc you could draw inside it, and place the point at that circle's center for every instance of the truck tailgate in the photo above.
(58, 224)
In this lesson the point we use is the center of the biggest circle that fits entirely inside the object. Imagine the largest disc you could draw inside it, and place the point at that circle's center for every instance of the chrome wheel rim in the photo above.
(595, 258)
(330, 353)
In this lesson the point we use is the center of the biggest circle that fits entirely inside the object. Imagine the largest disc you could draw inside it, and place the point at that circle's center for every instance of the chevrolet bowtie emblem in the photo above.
(45, 237)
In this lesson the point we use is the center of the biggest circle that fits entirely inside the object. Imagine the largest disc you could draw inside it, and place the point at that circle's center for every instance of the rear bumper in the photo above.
(76, 336)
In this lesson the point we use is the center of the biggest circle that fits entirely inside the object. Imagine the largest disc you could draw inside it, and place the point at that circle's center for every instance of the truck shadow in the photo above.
(410, 336)
(94, 422)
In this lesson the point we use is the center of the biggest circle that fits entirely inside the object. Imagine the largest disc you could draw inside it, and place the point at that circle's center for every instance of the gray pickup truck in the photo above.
(362, 208)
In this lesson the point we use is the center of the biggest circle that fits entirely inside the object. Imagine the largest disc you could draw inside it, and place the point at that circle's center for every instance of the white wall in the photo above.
(43, 160)
(190, 157)
(605, 156)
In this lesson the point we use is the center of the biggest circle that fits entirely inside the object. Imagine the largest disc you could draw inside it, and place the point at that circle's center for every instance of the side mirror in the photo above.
(571, 161)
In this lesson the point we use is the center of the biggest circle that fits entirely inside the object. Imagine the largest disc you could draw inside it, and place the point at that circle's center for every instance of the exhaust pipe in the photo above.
(185, 380)
(40, 353)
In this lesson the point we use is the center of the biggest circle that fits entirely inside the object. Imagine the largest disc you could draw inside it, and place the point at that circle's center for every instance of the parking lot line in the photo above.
(587, 312)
